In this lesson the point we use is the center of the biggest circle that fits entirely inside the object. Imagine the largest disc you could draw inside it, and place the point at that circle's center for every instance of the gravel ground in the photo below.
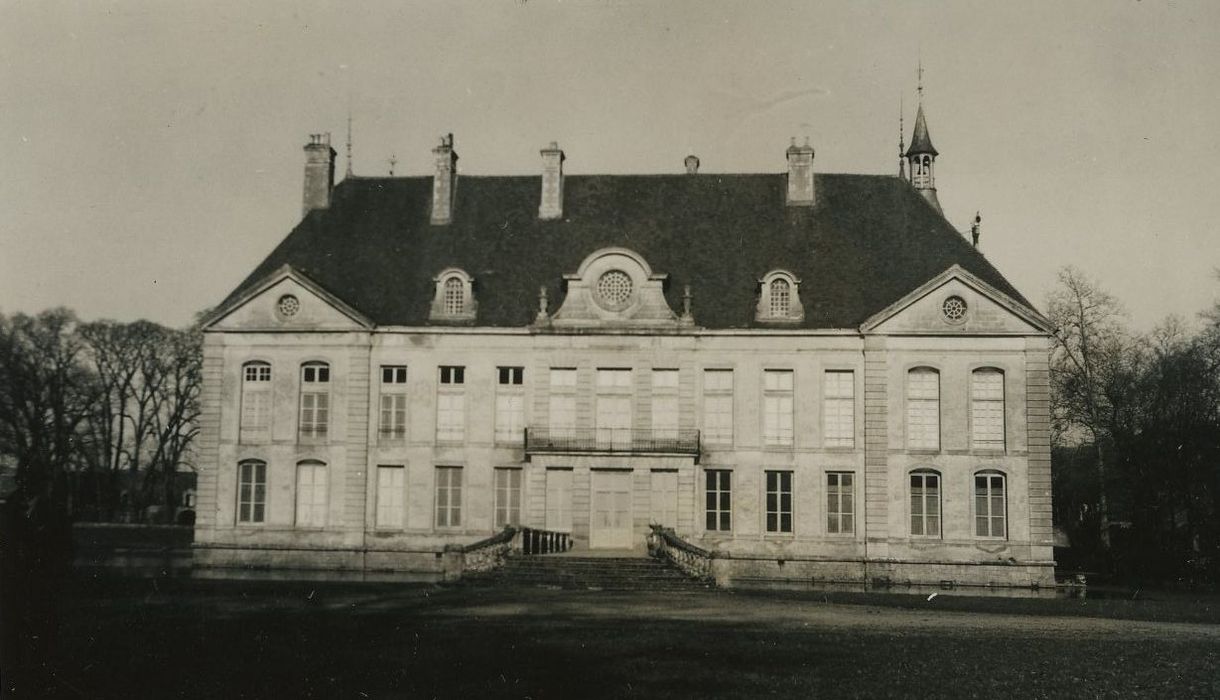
(221, 639)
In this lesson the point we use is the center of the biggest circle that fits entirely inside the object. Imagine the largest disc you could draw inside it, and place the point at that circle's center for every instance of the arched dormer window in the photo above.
(454, 297)
(779, 300)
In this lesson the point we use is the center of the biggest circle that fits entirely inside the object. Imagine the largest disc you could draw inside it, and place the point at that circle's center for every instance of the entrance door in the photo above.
(664, 507)
(610, 514)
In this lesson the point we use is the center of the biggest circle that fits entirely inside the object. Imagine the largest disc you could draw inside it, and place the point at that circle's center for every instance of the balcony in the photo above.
(612, 441)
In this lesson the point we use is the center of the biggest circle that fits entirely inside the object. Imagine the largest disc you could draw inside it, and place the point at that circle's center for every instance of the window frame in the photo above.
(393, 386)
(924, 474)
(451, 388)
(510, 405)
(989, 497)
(717, 489)
(513, 491)
(453, 513)
(718, 394)
(380, 494)
(765, 311)
(258, 468)
(842, 494)
(976, 403)
(265, 391)
(315, 523)
(442, 310)
(561, 401)
(665, 397)
(838, 442)
(910, 402)
(788, 429)
(781, 475)
(319, 430)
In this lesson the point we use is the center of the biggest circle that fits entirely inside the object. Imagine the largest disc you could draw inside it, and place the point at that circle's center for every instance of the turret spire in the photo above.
(902, 163)
(922, 154)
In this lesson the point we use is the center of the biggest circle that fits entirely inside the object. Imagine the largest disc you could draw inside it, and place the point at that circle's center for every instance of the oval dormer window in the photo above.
(614, 289)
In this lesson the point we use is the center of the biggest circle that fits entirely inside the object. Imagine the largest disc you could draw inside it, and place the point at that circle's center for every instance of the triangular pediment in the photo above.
(286, 300)
(979, 309)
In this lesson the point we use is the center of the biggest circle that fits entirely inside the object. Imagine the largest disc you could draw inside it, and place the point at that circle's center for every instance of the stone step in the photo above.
(595, 573)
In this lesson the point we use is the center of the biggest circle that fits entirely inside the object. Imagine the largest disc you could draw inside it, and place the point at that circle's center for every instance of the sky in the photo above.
(152, 151)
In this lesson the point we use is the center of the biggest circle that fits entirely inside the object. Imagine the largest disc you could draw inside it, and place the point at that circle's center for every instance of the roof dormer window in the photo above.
(779, 298)
(454, 297)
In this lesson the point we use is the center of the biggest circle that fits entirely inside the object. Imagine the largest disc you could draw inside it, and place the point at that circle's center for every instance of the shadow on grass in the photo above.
(182, 639)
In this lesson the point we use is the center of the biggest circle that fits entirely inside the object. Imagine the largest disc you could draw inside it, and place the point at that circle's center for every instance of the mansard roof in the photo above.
(869, 241)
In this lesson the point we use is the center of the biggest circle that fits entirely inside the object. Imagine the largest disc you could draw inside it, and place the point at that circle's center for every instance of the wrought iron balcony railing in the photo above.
(612, 440)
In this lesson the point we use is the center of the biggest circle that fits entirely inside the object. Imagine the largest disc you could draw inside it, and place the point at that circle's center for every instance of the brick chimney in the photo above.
(692, 164)
(444, 183)
(319, 173)
(800, 175)
(551, 205)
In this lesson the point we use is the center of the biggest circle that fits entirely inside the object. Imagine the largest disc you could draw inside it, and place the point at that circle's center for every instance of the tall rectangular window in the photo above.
(613, 416)
(987, 409)
(315, 400)
(255, 401)
(451, 405)
(251, 492)
(719, 499)
(925, 504)
(559, 500)
(665, 403)
(311, 494)
(839, 408)
(990, 507)
(448, 496)
(392, 424)
(840, 503)
(923, 409)
(562, 401)
(510, 405)
(717, 406)
(391, 515)
(777, 407)
(508, 497)
(779, 501)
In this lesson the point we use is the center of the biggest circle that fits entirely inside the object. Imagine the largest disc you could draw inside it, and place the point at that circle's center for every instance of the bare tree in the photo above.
(1089, 370)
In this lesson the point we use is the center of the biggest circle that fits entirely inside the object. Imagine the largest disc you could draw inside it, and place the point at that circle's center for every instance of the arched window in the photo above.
(923, 409)
(987, 409)
(990, 504)
(255, 401)
(315, 401)
(925, 503)
(251, 491)
(311, 493)
(454, 297)
(780, 299)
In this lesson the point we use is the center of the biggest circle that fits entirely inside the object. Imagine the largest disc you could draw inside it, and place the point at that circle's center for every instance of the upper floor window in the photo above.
(510, 405)
(562, 403)
(779, 299)
(451, 405)
(923, 409)
(990, 505)
(255, 401)
(392, 423)
(315, 400)
(987, 409)
(454, 296)
(839, 408)
(777, 407)
(718, 406)
(665, 411)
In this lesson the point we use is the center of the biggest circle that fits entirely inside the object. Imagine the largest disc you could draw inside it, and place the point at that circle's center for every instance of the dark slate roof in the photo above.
(869, 241)
(921, 142)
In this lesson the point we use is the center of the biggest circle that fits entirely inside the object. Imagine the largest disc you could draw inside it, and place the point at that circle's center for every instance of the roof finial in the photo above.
(902, 163)
(392, 161)
(920, 80)
(976, 228)
(349, 138)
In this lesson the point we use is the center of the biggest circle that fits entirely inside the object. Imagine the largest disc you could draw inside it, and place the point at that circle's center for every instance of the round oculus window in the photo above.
(614, 290)
(954, 309)
(288, 305)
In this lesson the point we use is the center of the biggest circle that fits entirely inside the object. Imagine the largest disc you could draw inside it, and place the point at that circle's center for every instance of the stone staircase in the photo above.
(588, 573)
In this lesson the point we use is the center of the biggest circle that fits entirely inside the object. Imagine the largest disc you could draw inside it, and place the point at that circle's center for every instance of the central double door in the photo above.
(611, 511)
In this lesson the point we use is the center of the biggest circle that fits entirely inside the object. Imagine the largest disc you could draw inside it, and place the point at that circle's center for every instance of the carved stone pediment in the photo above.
(616, 288)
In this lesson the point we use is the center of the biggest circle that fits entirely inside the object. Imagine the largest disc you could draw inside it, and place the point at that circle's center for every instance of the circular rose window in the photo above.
(614, 290)
(288, 305)
(954, 309)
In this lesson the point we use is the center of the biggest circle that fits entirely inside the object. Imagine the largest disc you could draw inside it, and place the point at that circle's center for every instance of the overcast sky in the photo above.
(152, 151)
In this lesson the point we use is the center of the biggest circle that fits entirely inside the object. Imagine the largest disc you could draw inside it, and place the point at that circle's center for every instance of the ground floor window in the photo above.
(719, 500)
(990, 516)
(779, 501)
(251, 492)
(559, 500)
(925, 504)
(508, 497)
(448, 496)
(840, 503)
(311, 494)
(390, 491)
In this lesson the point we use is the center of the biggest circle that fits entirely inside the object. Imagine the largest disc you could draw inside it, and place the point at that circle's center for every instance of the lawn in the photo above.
(275, 640)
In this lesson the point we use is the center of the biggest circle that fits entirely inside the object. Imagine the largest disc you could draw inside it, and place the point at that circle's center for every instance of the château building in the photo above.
(813, 375)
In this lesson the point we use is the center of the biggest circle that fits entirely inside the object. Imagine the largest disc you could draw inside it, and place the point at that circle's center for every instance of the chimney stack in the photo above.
(319, 173)
(551, 206)
(444, 182)
(800, 175)
(692, 165)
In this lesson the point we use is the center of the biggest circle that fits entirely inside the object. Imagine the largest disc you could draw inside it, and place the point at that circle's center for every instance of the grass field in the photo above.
(230, 640)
